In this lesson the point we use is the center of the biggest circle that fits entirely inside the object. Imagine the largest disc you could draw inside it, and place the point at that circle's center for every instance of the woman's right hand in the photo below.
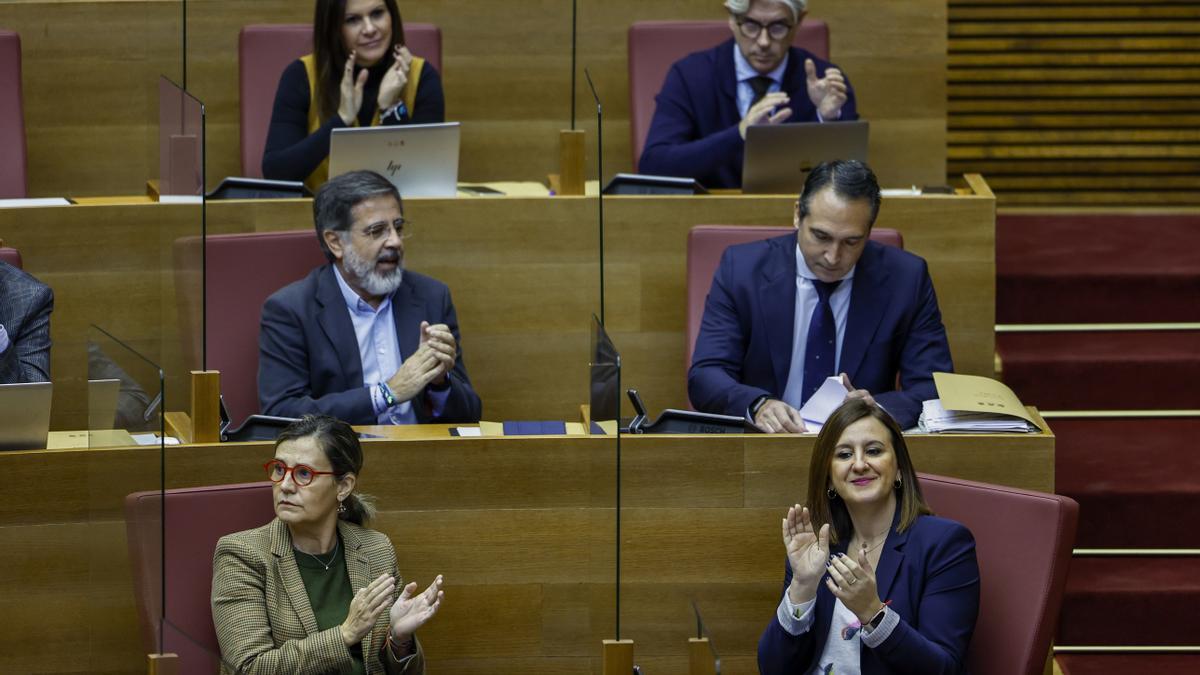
(352, 92)
(807, 551)
(365, 608)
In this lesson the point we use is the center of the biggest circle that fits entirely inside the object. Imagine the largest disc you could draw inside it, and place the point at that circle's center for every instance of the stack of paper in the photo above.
(971, 404)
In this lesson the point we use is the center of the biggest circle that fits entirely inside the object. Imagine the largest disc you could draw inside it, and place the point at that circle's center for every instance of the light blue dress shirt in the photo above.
(379, 349)
(806, 302)
(3, 339)
(746, 72)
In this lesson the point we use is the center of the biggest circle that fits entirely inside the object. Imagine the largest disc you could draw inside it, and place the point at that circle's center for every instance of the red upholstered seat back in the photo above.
(265, 50)
(706, 243)
(655, 45)
(1023, 541)
(243, 271)
(11, 256)
(193, 520)
(13, 182)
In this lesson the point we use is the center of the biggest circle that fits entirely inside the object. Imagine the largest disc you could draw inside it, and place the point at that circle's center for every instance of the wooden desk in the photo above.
(524, 273)
(522, 529)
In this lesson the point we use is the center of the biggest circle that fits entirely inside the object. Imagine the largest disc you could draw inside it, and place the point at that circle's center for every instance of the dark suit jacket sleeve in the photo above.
(284, 386)
(715, 377)
(674, 146)
(948, 608)
(925, 351)
(243, 623)
(27, 358)
(291, 153)
(781, 652)
(462, 403)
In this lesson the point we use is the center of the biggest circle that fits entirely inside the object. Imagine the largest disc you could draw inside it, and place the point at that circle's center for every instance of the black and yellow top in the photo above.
(297, 145)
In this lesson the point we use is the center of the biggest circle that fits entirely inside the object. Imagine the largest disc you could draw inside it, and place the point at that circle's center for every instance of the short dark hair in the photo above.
(909, 500)
(338, 197)
(851, 180)
(340, 444)
(329, 52)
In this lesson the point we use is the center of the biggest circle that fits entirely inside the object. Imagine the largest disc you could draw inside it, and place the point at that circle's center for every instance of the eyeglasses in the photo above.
(302, 474)
(777, 30)
(379, 231)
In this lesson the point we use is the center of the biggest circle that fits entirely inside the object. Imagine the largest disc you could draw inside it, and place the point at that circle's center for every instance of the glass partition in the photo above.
(125, 394)
(180, 141)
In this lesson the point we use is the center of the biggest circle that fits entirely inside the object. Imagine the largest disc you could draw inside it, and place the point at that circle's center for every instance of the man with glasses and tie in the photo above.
(784, 314)
(710, 97)
(361, 338)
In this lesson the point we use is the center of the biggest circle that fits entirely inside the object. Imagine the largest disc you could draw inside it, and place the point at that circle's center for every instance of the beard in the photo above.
(364, 272)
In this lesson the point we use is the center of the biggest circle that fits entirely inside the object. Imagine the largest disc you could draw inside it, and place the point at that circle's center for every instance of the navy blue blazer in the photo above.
(893, 326)
(931, 575)
(25, 307)
(694, 131)
(308, 360)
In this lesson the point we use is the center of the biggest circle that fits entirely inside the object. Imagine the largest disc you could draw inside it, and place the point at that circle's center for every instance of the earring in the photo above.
(899, 483)
(341, 507)
(831, 494)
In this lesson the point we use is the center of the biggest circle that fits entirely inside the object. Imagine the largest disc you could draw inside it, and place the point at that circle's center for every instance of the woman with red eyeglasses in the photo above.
(314, 590)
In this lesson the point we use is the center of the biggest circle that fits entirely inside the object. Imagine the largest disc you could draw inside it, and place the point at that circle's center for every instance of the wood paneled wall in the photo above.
(90, 68)
(522, 528)
(1072, 102)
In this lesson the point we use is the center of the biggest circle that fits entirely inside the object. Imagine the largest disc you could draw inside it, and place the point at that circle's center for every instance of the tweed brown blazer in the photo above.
(264, 621)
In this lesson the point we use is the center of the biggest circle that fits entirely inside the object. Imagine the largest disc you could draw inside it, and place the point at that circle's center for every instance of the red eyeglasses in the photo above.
(302, 474)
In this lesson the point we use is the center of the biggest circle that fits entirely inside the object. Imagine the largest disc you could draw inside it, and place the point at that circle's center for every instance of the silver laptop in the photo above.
(778, 157)
(421, 160)
(24, 415)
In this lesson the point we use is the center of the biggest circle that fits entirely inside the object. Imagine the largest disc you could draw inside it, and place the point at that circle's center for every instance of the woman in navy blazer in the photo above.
(874, 582)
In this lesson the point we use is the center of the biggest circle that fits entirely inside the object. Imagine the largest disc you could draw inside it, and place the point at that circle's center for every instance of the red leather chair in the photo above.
(265, 50)
(13, 181)
(11, 256)
(705, 245)
(243, 271)
(655, 45)
(1023, 541)
(193, 519)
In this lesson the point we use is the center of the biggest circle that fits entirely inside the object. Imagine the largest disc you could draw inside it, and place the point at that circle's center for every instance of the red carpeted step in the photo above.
(1131, 601)
(1131, 370)
(1097, 268)
(1118, 664)
(1134, 479)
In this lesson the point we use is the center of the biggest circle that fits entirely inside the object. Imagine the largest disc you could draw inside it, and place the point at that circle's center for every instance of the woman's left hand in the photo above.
(853, 582)
(410, 612)
(392, 86)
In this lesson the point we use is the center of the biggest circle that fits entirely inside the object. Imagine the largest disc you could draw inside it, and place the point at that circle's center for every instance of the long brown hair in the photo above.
(329, 51)
(910, 501)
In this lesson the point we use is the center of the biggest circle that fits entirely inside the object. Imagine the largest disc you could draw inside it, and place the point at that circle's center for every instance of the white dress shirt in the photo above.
(806, 302)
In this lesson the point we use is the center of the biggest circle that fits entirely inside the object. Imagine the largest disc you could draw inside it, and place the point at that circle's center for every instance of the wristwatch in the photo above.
(757, 405)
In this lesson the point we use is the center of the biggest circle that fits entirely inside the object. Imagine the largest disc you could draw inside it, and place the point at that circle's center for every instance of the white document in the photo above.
(35, 201)
(468, 431)
(822, 404)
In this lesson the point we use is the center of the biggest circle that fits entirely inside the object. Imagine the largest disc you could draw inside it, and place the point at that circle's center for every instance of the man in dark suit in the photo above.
(783, 314)
(710, 97)
(25, 306)
(363, 339)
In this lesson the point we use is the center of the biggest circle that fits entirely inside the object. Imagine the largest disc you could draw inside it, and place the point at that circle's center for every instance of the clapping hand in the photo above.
(366, 606)
(410, 612)
(807, 551)
(395, 79)
(351, 91)
(853, 582)
(827, 93)
(440, 341)
(766, 111)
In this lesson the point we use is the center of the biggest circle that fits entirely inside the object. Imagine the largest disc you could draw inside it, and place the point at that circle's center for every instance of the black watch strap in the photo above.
(757, 405)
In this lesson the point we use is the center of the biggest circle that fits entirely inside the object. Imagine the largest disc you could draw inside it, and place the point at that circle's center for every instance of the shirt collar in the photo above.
(803, 272)
(745, 71)
(353, 300)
